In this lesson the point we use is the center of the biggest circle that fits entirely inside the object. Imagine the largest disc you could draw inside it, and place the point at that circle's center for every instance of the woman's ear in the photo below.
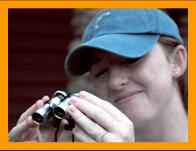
(178, 59)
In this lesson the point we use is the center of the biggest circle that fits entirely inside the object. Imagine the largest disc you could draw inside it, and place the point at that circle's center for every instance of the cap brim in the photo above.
(124, 45)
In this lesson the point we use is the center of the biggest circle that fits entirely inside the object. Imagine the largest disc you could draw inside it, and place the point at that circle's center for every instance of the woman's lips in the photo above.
(127, 97)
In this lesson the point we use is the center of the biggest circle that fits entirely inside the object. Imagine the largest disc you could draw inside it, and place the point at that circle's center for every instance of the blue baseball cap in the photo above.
(129, 33)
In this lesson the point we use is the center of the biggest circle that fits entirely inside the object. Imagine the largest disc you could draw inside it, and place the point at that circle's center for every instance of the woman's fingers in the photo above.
(96, 113)
(20, 129)
(81, 135)
(89, 126)
(30, 135)
(33, 108)
(99, 119)
(113, 111)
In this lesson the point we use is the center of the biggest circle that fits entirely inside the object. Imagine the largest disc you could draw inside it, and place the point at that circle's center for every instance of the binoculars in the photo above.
(55, 108)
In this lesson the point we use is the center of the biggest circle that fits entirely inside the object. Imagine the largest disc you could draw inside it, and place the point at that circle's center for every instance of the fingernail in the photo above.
(71, 108)
(73, 100)
(45, 97)
(83, 93)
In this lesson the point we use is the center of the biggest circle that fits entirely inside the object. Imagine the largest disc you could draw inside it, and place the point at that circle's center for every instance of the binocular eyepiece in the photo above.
(55, 107)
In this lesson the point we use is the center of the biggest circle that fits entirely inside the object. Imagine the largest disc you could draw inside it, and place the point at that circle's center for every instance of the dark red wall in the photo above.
(38, 41)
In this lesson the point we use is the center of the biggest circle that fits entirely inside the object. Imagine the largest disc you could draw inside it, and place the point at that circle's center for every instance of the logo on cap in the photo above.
(101, 17)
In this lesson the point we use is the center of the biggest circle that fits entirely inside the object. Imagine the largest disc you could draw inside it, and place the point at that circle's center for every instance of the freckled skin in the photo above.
(151, 76)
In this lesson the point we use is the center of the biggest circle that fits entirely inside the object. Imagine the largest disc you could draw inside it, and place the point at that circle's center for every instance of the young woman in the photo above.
(136, 59)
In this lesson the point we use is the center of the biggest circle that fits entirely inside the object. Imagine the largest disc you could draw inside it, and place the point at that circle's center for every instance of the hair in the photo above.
(170, 43)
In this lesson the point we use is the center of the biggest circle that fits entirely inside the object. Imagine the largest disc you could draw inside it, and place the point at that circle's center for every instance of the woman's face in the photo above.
(140, 88)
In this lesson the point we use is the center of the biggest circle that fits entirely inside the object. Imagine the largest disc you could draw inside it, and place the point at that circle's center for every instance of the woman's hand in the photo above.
(27, 131)
(98, 120)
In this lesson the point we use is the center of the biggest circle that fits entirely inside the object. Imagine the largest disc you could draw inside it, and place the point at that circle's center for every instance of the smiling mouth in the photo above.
(127, 97)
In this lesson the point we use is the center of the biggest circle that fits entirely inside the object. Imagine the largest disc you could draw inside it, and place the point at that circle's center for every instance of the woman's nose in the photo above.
(118, 78)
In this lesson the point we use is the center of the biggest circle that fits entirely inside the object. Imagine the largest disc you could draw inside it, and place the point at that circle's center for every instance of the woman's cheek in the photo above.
(101, 90)
(159, 89)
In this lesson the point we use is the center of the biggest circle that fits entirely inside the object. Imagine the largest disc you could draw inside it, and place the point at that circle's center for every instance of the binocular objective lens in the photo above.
(38, 118)
(59, 112)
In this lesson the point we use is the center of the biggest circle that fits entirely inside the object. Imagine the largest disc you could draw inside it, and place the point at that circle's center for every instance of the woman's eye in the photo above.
(131, 61)
(101, 73)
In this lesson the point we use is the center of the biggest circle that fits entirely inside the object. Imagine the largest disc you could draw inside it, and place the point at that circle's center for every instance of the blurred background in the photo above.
(38, 41)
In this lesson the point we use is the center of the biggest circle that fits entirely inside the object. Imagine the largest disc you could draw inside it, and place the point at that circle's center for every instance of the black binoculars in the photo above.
(55, 108)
